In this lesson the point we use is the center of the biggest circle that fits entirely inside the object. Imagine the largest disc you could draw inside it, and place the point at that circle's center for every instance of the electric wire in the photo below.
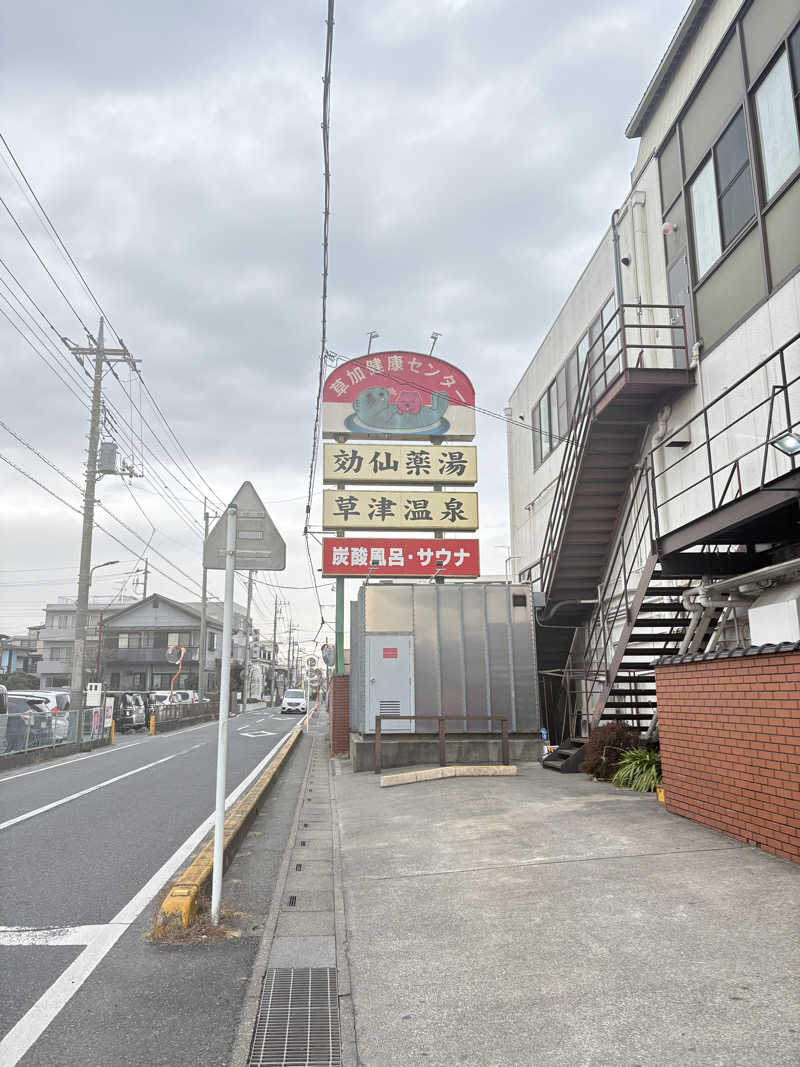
(326, 211)
(78, 511)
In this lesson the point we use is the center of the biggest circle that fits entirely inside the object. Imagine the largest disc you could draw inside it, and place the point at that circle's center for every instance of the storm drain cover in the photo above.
(298, 1019)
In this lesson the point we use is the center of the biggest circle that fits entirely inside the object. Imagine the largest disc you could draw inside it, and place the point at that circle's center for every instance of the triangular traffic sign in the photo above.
(259, 546)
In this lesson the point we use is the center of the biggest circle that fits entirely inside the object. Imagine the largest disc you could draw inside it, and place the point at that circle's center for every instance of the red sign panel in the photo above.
(390, 653)
(398, 395)
(399, 557)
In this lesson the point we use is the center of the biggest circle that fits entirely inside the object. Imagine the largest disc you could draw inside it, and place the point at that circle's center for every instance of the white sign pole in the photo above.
(224, 702)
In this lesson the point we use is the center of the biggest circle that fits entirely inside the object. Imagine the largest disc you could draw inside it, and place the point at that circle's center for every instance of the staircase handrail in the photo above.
(598, 373)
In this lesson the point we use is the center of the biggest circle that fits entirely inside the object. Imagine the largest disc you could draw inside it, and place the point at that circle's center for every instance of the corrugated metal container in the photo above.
(471, 653)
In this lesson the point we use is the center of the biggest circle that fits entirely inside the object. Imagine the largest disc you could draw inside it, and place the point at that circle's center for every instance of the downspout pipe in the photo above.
(617, 264)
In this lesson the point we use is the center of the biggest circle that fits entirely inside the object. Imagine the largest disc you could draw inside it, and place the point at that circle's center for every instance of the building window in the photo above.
(62, 622)
(552, 414)
(722, 196)
(59, 652)
(212, 641)
(776, 114)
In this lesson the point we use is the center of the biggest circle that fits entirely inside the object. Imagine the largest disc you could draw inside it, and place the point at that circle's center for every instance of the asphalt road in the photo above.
(87, 844)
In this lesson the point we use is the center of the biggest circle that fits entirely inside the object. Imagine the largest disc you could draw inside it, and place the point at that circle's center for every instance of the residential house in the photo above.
(138, 638)
(57, 638)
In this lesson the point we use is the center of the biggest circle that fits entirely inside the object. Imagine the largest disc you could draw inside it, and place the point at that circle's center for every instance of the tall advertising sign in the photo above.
(394, 423)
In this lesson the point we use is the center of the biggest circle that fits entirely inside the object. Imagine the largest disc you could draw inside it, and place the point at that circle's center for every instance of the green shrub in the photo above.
(639, 769)
(605, 747)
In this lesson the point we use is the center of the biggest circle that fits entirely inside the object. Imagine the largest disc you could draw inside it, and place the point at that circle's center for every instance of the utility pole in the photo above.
(101, 355)
(144, 594)
(99, 646)
(247, 632)
(201, 655)
(274, 652)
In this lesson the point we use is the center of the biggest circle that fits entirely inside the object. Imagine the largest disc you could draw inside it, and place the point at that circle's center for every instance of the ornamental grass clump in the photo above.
(639, 769)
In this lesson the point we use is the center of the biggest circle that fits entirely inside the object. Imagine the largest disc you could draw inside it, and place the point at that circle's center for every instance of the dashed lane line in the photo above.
(92, 788)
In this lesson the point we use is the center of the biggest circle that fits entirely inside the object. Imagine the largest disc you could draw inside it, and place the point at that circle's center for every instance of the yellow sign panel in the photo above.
(401, 464)
(370, 509)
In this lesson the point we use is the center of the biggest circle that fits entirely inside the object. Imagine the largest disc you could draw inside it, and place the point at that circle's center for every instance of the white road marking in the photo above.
(55, 935)
(35, 1021)
(112, 750)
(258, 733)
(93, 788)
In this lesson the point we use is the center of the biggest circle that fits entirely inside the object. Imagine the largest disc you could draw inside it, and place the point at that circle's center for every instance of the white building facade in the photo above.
(643, 459)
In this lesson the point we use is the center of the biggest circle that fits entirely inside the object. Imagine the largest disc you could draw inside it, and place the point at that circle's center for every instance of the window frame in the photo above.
(794, 89)
(762, 205)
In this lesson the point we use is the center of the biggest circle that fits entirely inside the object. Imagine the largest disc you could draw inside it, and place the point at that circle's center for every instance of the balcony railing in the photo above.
(634, 339)
(724, 451)
(145, 655)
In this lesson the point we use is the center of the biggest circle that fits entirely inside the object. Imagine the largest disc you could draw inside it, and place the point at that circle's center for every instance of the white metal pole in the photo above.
(224, 701)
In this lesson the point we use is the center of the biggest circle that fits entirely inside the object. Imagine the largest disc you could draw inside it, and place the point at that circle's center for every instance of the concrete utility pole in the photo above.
(101, 355)
(144, 594)
(247, 631)
(273, 688)
(84, 575)
(201, 655)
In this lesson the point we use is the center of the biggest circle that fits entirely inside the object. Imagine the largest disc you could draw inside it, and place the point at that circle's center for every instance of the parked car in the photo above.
(129, 710)
(58, 704)
(28, 722)
(184, 696)
(294, 701)
(160, 696)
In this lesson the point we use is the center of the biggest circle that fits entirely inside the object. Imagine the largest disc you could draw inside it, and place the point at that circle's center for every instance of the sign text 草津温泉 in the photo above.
(390, 509)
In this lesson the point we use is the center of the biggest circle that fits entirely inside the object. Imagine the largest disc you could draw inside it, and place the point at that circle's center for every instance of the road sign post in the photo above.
(244, 538)
(224, 701)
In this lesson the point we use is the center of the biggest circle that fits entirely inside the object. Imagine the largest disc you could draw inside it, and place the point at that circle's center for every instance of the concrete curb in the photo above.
(183, 899)
(434, 773)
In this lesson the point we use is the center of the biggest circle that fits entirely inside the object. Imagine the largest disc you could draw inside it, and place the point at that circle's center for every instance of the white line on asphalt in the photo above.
(54, 935)
(35, 1021)
(92, 788)
(57, 764)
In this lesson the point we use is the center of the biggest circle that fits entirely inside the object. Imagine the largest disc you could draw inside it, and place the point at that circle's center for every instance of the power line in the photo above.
(326, 212)
(46, 269)
(75, 266)
(97, 525)
(100, 505)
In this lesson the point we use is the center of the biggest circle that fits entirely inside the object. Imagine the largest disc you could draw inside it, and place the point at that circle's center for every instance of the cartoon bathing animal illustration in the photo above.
(375, 410)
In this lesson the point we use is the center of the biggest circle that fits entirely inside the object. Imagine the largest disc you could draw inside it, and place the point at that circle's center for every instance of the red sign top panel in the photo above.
(410, 378)
(400, 557)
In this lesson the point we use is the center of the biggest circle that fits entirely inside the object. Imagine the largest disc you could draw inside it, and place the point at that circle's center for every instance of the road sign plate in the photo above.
(259, 546)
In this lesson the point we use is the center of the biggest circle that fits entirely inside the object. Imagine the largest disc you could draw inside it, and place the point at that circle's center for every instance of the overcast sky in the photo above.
(477, 154)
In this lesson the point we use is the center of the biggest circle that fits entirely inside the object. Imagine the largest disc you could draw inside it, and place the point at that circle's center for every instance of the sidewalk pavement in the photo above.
(549, 919)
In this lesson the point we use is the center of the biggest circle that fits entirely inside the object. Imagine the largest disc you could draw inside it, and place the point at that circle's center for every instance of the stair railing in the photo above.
(630, 339)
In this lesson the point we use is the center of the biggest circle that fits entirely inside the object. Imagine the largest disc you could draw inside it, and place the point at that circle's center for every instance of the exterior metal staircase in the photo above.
(632, 369)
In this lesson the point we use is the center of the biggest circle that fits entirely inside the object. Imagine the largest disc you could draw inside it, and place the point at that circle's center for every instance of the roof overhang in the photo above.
(687, 28)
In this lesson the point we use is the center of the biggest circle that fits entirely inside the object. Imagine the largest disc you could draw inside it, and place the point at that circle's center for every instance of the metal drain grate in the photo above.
(298, 1019)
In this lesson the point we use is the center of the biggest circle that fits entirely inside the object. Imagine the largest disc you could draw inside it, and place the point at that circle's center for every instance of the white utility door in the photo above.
(390, 680)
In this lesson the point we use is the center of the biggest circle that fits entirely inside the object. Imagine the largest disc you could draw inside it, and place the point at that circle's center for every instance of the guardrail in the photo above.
(441, 720)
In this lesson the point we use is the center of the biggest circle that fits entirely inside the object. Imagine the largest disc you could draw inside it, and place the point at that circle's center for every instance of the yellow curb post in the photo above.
(111, 742)
(182, 901)
(152, 724)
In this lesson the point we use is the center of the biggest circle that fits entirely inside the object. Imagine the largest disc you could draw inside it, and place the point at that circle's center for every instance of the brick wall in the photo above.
(340, 715)
(730, 746)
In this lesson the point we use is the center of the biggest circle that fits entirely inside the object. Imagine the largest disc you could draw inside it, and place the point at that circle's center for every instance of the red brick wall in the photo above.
(339, 709)
(730, 746)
